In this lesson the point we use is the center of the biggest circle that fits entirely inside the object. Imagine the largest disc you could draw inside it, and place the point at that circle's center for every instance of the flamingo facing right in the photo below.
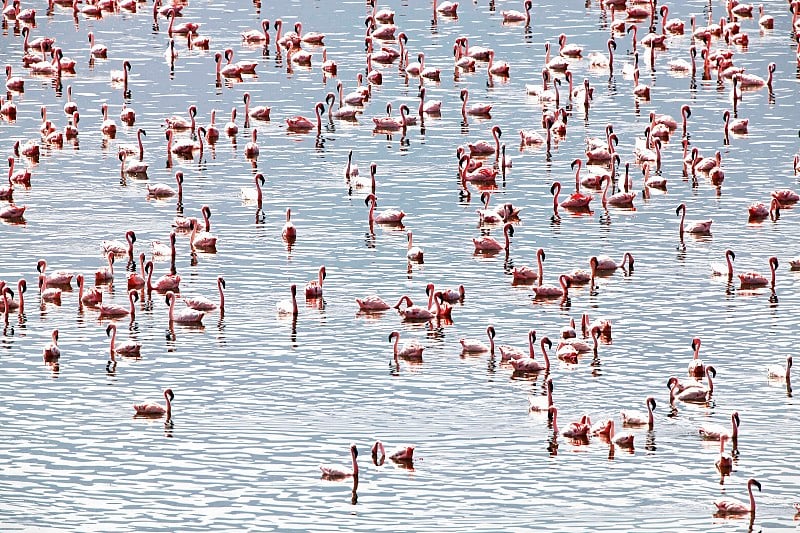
(732, 507)
(341, 472)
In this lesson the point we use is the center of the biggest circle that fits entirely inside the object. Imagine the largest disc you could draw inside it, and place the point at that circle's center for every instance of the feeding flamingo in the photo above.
(372, 303)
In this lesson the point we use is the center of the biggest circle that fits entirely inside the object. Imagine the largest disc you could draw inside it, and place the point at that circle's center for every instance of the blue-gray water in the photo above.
(261, 400)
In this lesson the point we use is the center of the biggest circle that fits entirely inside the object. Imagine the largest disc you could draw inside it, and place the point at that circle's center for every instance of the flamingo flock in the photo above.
(189, 142)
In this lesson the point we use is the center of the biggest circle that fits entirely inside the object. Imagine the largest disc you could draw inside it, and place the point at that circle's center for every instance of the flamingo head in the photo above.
(696, 343)
(651, 403)
(169, 395)
(110, 328)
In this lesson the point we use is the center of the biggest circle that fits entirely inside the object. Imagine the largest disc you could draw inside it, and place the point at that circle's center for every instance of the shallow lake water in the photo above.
(262, 399)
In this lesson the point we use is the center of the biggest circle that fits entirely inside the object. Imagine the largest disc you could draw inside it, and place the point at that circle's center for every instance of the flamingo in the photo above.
(59, 278)
(751, 81)
(781, 373)
(414, 253)
(160, 190)
(257, 37)
(97, 49)
(576, 200)
(341, 472)
(715, 431)
(258, 112)
(201, 303)
(134, 168)
(580, 276)
(186, 315)
(698, 393)
(289, 305)
(481, 110)
(389, 123)
(785, 197)
(119, 311)
(10, 304)
(754, 279)
(606, 264)
(551, 291)
(577, 431)
(136, 280)
(732, 507)
(500, 68)
(155, 410)
(623, 440)
(638, 419)
(231, 128)
(108, 126)
(620, 199)
(480, 174)
(737, 126)
(289, 231)
(251, 149)
(300, 123)
(372, 303)
(490, 244)
(512, 15)
(542, 403)
(758, 211)
(696, 368)
(671, 25)
(182, 28)
(387, 216)
(91, 297)
(446, 8)
(167, 282)
(130, 348)
(314, 287)
(413, 312)
(701, 227)
(473, 346)
(51, 352)
(105, 274)
(176, 122)
(529, 364)
(412, 350)
(12, 212)
(526, 274)
(724, 463)
(454, 295)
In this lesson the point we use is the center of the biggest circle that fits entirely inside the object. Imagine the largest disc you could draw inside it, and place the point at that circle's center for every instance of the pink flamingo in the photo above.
(671, 25)
(302, 124)
(201, 303)
(454, 295)
(160, 190)
(700, 227)
(473, 346)
(22, 177)
(620, 199)
(12, 305)
(389, 123)
(387, 216)
(526, 274)
(257, 37)
(575, 201)
(568, 50)
(623, 440)
(696, 368)
(529, 364)
(580, 276)
(715, 431)
(289, 231)
(288, 306)
(695, 393)
(251, 149)
(108, 126)
(551, 291)
(732, 507)
(231, 128)
(786, 197)
(135, 168)
(724, 463)
(186, 315)
(176, 122)
(490, 244)
(372, 303)
(718, 270)
(630, 418)
(129, 348)
(59, 278)
(754, 279)
(341, 472)
(413, 253)
(97, 49)
(480, 174)
(499, 68)
(412, 350)
(413, 312)
(258, 112)
(737, 126)
(12, 212)
(91, 296)
(51, 351)
(512, 15)
(182, 28)
(105, 274)
(136, 280)
(480, 110)
(167, 282)
(446, 8)
(483, 148)
(752, 82)
(758, 211)
(48, 294)
(155, 410)
(765, 21)
(606, 264)
(314, 287)
(118, 311)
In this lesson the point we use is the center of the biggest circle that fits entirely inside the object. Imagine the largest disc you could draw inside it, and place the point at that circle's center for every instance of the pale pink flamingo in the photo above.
(499, 68)
(18, 305)
(598, 60)
(777, 372)
(623, 440)
(732, 507)
(481, 110)
(97, 49)
(201, 303)
(134, 167)
(59, 277)
(251, 149)
(51, 351)
(630, 418)
(446, 8)
(454, 295)
(580, 276)
(765, 21)
(473, 346)
(258, 112)
(48, 294)
(552, 291)
(129, 348)
(727, 268)
(108, 126)
(389, 123)
(542, 403)
(183, 28)
(481, 174)
(715, 431)
(155, 410)
(384, 15)
(351, 171)
(231, 128)
(22, 177)
(384, 32)
(480, 53)
(106, 273)
(526, 274)
(129, 149)
(620, 199)
(387, 216)
(289, 231)
(341, 472)
(167, 282)
(755, 279)
(314, 287)
(302, 124)
(119, 311)
(753, 82)
(230, 70)
(512, 15)
(160, 190)
(91, 296)
(700, 227)
(758, 211)
(257, 37)
(696, 393)
(413, 253)
(372, 303)
(489, 244)
(176, 122)
(568, 50)
(671, 25)
(411, 350)
(490, 215)
(291, 37)
(483, 148)
(413, 312)
(737, 126)
(347, 112)
(639, 89)
(433, 107)
(185, 315)
(289, 305)
(724, 462)
(696, 368)
(530, 364)
(605, 264)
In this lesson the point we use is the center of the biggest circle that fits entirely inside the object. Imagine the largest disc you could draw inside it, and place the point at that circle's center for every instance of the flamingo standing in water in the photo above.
(576, 200)
(372, 303)
(732, 507)
(155, 410)
(314, 287)
(130, 348)
(341, 472)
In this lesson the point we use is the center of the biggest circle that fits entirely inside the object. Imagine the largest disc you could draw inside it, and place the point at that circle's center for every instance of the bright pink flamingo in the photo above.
(341, 472)
(118, 311)
(129, 348)
(106, 273)
(289, 305)
(289, 231)
(91, 296)
(576, 200)
(186, 315)
(526, 274)
(155, 410)
(732, 507)
(136, 280)
(754, 279)
(412, 350)
(700, 227)
(786, 197)
(201, 303)
(473, 346)
(302, 124)
(758, 211)
(490, 244)
(632, 418)
(314, 287)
